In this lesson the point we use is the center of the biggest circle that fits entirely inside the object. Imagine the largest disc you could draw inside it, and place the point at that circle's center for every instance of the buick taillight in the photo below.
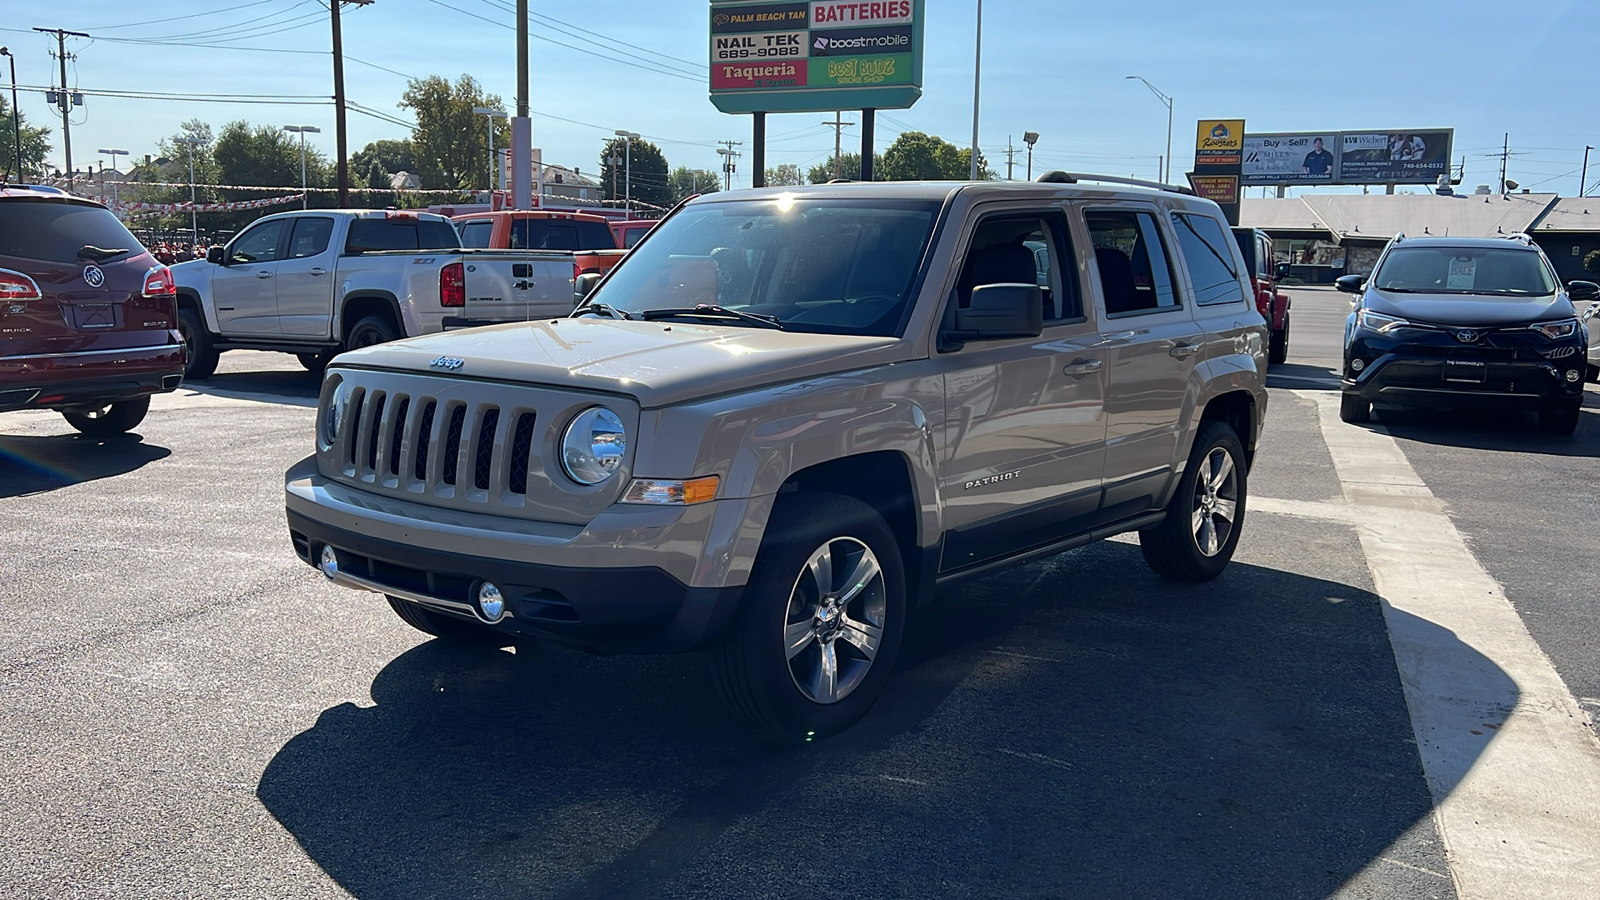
(158, 283)
(453, 285)
(17, 286)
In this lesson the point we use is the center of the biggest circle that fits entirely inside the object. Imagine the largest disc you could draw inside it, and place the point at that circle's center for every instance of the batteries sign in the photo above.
(783, 56)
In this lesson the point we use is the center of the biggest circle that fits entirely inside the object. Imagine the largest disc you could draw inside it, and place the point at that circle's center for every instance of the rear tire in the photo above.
(314, 363)
(1559, 421)
(449, 628)
(1206, 514)
(370, 330)
(201, 357)
(1353, 408)
(1278, 347)
(109, 420)
(819, 629)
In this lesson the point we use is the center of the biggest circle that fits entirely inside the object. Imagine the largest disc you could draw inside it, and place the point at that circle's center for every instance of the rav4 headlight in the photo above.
(1380, 323)
(1556, 331)
(593, 447)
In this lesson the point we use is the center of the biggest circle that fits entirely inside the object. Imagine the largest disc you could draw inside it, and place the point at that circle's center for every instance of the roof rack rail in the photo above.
(1520, 236)
(1059, 177)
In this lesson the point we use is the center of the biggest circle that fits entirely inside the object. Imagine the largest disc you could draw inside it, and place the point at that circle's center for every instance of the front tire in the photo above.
(109, 420)
(1204, 518)
(1355, 409)
(201, 356)
(445, 627)
(819, 630)
(1559, 421)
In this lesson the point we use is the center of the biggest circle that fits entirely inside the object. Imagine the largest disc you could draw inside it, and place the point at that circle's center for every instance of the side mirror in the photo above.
(1583, 291)
(1350, 284)
(584, 286)
(1002, 311)
(214, 255)
(1281, 271)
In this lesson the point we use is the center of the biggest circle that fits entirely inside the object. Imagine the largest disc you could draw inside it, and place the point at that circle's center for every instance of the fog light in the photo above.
(1573, 376)
(491, 605)
(330, 561)
(1357, 364)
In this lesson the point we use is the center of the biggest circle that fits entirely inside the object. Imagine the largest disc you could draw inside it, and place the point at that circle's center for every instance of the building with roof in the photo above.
(1323, 236)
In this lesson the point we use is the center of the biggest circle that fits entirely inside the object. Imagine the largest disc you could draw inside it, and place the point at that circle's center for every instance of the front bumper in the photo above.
(89, 377)
(1449, 375)
(625, 584)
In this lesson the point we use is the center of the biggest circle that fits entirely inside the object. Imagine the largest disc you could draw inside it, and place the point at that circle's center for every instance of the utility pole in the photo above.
(838, 125)
(1583, 180)
(728, 155)
(338, 101)
(627, 168)
(63, 99)
(977, 81)
(1505, 155)
(1011, 157)
(522, 174)
(16, 117)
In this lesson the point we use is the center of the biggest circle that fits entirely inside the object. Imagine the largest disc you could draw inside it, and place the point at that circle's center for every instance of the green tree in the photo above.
(165, 178)
(451, 143)
(1591, 262)
(263, 155)
(849, 169)
(685, 182)
(915, 156)
(784, 175)
(648, 171)
(373, 164)
(34, 146)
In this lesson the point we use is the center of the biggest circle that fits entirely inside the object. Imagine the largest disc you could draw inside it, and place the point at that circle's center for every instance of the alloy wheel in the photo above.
(1216, 502)
(835, 620)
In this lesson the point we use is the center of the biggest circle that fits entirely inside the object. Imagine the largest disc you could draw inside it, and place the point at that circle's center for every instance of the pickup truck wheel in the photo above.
(109, 420)
(370, 330)
(1278, 345)
(449, 628)
(200, 357)
(1201, 530)
(314, 362)
(1354, 408)
(819, 630)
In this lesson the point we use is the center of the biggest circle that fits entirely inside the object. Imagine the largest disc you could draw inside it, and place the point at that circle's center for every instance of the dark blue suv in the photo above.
(1450, 323)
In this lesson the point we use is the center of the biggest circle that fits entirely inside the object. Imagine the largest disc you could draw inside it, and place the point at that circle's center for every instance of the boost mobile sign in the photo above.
(787, 56)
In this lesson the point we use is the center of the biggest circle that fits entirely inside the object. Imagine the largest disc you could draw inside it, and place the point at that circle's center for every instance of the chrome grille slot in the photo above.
(484, 453)
(521, 450)
(452, 443)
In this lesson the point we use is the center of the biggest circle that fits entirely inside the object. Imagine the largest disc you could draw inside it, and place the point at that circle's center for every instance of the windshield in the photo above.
(827, 266)
(1464, 270)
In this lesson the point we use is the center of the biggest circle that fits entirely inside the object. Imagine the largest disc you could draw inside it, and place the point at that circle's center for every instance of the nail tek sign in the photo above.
(786, 56)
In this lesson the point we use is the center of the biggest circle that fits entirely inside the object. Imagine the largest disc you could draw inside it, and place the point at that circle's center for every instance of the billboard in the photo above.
(1348, 157)
(815, 56)
(1217, 142)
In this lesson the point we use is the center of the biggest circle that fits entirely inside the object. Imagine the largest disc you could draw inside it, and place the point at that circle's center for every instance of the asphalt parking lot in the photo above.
(186, 710)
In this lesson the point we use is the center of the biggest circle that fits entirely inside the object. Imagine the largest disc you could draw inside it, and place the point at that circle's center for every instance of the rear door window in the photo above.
(54, 231)
(476, 234)
(1208, 258)
(1132, 260)
(310, 237)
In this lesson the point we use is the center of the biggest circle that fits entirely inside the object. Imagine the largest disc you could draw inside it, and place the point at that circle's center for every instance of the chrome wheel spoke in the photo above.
(821, 568)
(1222, 472)
(864, 636)
(1225, 510)
(797, 637)
(827, 689)
(863, 574)
(1198, 520)
(1207, 536)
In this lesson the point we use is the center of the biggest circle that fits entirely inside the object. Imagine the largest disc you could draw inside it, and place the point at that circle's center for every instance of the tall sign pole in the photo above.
(977, 81)
(522, 125)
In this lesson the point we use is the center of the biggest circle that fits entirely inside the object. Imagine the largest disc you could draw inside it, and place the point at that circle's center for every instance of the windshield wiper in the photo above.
(711, 310)
(610, 312)
(98, 254)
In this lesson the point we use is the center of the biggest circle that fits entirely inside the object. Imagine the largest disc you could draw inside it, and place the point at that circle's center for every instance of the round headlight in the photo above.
(592, 449)
(333, 415)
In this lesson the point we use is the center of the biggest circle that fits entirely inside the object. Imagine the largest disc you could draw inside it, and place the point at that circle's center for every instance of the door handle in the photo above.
(1179, 351)
(1080, 368)
(318, 271)
(263, 274)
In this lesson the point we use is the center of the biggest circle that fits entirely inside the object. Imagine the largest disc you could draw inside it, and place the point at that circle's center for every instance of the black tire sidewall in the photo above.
(375, 324)
(120, 418)
(798, 526)
(200, 360)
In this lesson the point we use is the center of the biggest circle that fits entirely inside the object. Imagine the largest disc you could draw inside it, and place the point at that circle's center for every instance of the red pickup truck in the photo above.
(588, 238)
(88, 318)
(1274, 307)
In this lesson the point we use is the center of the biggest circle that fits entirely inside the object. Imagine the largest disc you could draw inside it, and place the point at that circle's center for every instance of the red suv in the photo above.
(87, 315)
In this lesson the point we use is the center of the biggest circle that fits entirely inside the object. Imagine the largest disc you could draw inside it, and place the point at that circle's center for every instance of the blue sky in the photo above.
(1049, 66)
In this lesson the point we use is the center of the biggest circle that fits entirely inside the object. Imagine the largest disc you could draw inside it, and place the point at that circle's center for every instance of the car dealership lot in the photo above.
(188, 710)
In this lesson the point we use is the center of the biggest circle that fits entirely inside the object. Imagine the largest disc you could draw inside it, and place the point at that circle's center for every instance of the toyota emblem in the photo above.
(1466, 336)
(93, 277)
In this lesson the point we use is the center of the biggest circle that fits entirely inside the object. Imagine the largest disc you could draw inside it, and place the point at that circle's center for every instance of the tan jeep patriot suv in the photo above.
(789, 415)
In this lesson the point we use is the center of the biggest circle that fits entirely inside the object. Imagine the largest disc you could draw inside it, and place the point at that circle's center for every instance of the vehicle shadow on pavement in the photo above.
(1299, 376)
(1513, 432)
(290, 388)
(33, 465)
(1072, 728)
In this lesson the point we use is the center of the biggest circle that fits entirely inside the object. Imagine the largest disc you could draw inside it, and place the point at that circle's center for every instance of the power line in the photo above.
(646, 67)
(692, 70)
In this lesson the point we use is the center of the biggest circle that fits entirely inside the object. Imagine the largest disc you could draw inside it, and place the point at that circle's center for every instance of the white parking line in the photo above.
(1514, 771)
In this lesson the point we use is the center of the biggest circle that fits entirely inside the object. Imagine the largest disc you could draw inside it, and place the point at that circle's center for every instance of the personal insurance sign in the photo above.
(784, 56)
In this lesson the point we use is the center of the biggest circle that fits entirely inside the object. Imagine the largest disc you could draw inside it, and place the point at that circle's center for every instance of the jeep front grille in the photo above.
(380, 439)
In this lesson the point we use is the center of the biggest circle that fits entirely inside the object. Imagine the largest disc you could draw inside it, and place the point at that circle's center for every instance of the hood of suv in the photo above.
(659, 363)
(1470, 309)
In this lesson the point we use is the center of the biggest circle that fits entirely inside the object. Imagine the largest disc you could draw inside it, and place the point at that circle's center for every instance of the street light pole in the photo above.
(494, 161)
(977, 75)
(627, 171)
(1166, 176)
(194, 221)
(302, 130)
(113, 154)
(16, 117)
(1030, 138)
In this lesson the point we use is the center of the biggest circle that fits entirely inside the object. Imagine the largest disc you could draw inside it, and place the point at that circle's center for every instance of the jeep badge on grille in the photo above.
(447, 362)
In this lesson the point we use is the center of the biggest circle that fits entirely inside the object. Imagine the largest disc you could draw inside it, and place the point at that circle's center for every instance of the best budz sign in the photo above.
(782, 56)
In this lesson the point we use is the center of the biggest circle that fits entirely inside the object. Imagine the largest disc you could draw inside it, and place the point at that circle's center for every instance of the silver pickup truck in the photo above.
(789, 415)
(315, 283)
